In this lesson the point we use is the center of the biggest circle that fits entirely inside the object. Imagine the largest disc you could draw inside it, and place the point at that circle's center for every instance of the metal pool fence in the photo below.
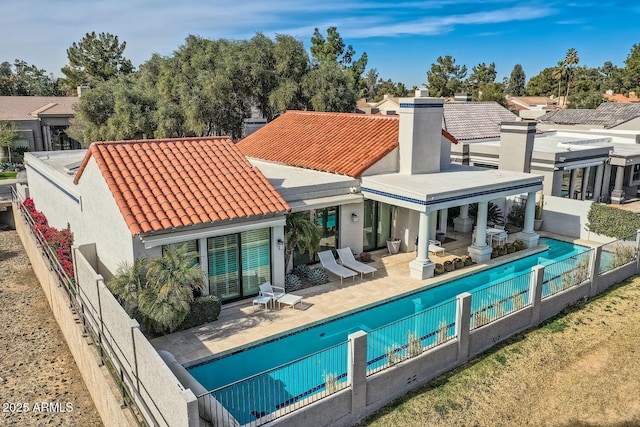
(618, 253)
(271, 394)
(410, 336)
(496, 301)
(563, 274)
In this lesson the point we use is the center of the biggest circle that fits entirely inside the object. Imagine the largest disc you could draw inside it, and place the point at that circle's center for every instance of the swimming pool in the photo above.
(333, 334)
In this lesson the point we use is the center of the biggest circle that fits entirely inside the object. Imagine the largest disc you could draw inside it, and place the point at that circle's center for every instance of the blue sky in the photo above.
(401, 38)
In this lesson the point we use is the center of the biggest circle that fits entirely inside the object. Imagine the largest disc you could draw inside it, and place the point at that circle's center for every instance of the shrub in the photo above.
(318, 276)
(612, 222)
(466, 259)
(622, 255)
(301, 270)
(518, 244)
(292, 282)
(494, 253)
(203, 310)
(516, 214)
(502, 250)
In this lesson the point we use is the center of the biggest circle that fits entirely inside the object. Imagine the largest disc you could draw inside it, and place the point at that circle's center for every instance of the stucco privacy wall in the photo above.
(158, 391)
(568, 217)
(103, 390)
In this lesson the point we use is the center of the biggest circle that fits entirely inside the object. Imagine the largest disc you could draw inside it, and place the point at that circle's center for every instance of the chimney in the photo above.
(462, 97)
(516, 145)
(82, 89)
(420, 133)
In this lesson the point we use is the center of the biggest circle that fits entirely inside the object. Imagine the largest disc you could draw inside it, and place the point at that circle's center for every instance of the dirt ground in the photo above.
(579, 369)
(39, 381)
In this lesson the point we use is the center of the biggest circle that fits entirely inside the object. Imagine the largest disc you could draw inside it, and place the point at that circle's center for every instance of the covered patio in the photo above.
(423, 195)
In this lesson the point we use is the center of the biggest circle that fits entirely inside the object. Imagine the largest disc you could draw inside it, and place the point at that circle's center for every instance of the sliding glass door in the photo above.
(377, 225)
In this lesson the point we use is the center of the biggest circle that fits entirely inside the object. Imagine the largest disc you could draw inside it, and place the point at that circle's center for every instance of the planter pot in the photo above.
(537, 223)
(393, 246)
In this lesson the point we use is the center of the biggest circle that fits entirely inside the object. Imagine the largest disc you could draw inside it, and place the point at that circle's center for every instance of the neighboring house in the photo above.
(532, 107)
(42, 121)
(135, 198)
(609, 115)
(399, 167)
(620, 97)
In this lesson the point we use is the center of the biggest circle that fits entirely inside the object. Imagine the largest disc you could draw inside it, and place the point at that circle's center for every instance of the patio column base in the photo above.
(421, 270)
(480, 254)
(617, 197)
(462, 225)
(530, 239)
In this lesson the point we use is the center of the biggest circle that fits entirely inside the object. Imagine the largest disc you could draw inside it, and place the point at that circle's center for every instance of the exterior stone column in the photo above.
(527, 235)
(597, 185)
(479, 251)
(422, 268)
(617, 195)
(462, 223)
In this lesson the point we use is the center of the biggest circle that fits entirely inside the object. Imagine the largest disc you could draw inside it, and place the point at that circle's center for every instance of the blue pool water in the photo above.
(299, 345)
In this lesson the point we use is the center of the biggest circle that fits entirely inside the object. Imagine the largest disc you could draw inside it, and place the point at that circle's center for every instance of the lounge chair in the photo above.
(273, 292)
(348, 260)
(435, 247)
(329, 262)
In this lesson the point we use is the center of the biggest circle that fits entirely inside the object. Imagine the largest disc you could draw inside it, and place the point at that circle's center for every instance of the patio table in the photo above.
(290, 300)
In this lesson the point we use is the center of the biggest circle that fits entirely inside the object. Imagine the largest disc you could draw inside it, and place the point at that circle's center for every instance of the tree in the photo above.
(481, 74)
(611, 78)
(128, 283)
(445, 78)
(571, 60)
(22, 79)
(543, 84)
(517, 81)
(172, 280)
(291, 65)
(93, 60)
(301, 235)
(327, 53)
(632, 69)
(8, 134)
(492, 91)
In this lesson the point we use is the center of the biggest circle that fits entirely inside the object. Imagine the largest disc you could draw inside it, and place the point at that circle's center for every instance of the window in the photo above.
(256, 260)
(222, 253)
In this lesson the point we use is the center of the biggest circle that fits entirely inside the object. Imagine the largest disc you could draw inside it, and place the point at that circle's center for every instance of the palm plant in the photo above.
(301, 235)
(128, 283)
(172, 281)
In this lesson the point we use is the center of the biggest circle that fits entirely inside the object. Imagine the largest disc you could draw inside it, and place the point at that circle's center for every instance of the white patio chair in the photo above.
(329, 262)
(348, 260)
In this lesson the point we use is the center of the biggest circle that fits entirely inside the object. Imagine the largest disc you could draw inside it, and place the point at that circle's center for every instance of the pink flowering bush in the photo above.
(59, 241)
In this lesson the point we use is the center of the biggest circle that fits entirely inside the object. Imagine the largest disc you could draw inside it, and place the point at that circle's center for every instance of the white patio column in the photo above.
(528, 235)
(422, 268)
(597, 185)
(572, 183)
(204, 264)
(479, 251)
(585, 182)
(606, 180)
(442, 227)
(462, 223)
(617, 195)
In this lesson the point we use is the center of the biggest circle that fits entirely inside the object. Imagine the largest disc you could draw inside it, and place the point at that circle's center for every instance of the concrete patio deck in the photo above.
(242, 323)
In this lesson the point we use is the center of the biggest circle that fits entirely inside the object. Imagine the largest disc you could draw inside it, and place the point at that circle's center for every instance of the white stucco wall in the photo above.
(102, 221)
(351, 232)
(388, 164)
(568, 217)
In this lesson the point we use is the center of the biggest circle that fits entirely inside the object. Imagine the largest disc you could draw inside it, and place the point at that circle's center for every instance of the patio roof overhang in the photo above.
(455, 186)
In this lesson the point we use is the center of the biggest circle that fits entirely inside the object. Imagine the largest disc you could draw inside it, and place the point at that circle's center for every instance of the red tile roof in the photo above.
(170, 183)
(342, 143)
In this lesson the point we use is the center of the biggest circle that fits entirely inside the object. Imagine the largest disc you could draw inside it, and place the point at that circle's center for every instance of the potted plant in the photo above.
(510, 248)
(466, 259)
(502, 250)
(519, 244)
(448, 266)
(537, 222)
(439, 269)
(393, 246)
(458, 263)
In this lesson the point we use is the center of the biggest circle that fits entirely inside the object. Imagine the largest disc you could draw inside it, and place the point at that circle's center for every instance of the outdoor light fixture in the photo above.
(281, 244)
(354, 217)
